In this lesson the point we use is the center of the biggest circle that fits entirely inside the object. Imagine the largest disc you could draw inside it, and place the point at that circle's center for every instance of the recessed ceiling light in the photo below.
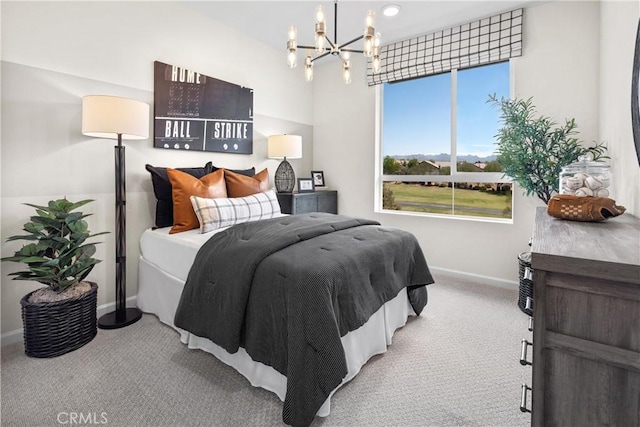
(391, 10)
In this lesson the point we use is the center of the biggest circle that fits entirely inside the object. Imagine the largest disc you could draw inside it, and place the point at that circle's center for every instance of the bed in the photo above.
(166, 279)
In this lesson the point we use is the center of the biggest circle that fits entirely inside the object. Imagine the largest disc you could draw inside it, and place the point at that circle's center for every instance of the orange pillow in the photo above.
(183, 186)
(241, 186)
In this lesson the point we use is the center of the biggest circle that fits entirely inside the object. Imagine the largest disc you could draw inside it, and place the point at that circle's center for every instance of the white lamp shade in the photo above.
(281, 146)
(107, 116)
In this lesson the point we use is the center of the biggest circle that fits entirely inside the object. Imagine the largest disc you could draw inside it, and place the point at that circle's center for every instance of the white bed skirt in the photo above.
(159, 294)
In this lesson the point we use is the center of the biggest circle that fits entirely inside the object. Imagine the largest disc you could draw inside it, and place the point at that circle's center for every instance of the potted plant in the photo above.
(532, 151)
(60, 317)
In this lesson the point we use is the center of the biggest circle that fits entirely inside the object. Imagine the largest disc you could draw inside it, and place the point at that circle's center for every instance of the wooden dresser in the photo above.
(586, 322)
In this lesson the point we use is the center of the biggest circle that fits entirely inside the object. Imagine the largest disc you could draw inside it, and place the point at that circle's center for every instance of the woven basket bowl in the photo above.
(55, 328)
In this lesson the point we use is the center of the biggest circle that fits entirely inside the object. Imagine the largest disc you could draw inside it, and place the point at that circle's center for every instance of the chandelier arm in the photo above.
(299, 46)
(350, 42)
(332, 44)
(321, 56)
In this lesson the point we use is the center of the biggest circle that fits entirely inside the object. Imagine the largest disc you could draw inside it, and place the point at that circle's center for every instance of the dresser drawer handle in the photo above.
(523, 398)
(523, 355)
(530, 324)
(528, 273)
(529, 304)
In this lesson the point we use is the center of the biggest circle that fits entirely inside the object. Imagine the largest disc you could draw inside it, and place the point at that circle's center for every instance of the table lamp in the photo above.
(283, 147)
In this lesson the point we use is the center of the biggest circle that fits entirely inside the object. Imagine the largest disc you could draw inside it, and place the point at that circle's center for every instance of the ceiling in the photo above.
(269, 20)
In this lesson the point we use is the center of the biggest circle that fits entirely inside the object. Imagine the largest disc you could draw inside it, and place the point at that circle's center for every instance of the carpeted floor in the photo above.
(455, 365)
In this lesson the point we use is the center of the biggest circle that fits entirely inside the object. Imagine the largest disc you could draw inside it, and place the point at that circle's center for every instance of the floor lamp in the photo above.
(118, 118)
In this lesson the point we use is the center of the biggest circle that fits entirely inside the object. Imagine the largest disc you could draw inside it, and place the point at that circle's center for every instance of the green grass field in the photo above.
(419, 198)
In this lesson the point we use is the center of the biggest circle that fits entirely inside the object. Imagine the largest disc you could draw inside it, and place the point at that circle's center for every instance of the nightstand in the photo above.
(317, 201)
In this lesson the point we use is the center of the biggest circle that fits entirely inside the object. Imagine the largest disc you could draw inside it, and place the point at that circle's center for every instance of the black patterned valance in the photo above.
(480, 42)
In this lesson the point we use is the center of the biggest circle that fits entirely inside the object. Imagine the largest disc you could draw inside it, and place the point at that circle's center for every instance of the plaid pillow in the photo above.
(223, 212)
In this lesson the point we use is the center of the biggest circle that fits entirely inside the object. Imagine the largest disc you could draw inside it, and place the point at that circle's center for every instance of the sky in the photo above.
(417, 113)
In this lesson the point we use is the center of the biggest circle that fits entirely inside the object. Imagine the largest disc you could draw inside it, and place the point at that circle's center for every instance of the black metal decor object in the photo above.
(123, 316)
(285, 177)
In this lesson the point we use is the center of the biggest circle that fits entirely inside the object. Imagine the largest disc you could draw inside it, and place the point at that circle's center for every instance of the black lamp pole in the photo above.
(123, 316)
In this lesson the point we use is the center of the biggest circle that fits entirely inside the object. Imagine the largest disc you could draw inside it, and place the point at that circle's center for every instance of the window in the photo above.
(437, 141)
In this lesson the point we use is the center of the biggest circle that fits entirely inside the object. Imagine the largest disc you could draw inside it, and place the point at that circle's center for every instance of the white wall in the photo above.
(559, 69)
(53, 53)
(618, 23)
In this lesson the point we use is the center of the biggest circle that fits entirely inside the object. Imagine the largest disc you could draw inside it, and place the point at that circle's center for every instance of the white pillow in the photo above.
(223, 212)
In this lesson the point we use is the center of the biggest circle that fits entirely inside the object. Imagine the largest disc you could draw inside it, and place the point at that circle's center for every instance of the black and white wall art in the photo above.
(200, 113)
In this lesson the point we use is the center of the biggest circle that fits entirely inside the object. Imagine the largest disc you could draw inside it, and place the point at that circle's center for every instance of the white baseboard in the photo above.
(485, 280)
(13, 337)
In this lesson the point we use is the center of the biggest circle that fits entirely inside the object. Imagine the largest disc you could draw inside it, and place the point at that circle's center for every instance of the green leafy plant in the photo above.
(533, 151)
(389, 199)
(57, 254)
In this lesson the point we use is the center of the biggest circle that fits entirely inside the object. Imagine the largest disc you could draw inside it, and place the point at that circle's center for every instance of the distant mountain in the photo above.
(443, 157)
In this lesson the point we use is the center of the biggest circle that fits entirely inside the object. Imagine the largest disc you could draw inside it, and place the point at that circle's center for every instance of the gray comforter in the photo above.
(286, 289)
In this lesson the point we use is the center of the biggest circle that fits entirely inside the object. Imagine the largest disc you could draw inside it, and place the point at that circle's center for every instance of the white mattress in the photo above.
(173, 252)
(165, 261)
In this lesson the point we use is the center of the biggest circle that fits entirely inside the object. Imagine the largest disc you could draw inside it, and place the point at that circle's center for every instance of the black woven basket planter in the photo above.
(55, 328)
(526, 285)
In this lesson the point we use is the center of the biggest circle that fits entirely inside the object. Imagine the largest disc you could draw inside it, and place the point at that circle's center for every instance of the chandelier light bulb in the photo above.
(320, 46)
(292, 47)
(346, 72)
(368, 42)
(367, 48)
(375, 53)
(369, 33)
(308, 69)
(319, 13)
(375, 62)
(371, 18)
(292, 59)
(346, 67)
(320, 29)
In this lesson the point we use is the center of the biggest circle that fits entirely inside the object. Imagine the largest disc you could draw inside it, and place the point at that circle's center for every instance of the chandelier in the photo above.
(324, 46)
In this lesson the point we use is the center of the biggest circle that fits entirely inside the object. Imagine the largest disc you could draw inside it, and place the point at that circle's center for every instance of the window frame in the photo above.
(454, 177)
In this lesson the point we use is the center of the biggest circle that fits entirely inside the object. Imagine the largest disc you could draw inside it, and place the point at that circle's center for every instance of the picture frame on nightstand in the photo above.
(318, 178)
(305, 185)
